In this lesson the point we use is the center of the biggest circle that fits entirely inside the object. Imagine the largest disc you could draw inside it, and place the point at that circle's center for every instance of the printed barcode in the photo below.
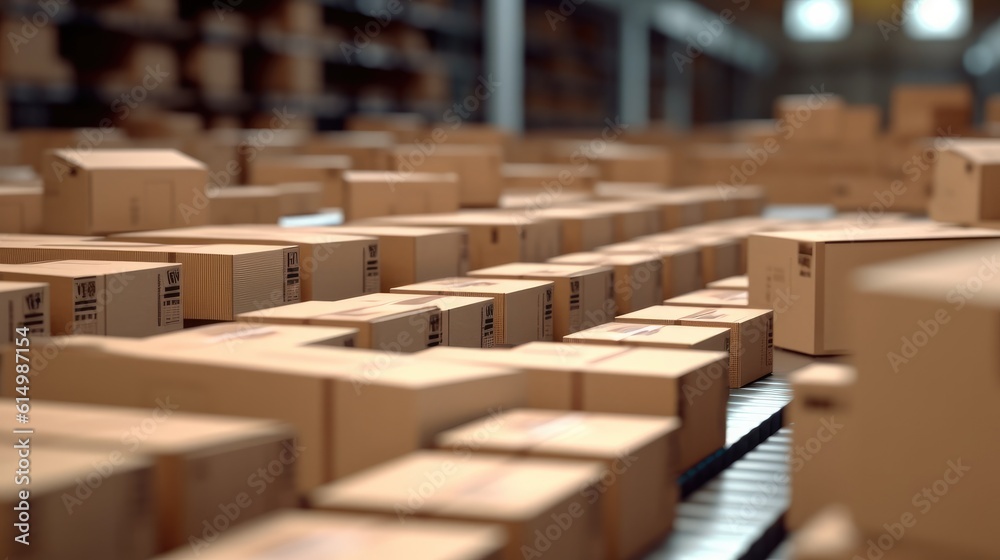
(434, 334)
(770, 340)
(371, 273)
(488, 326)
(293, 290)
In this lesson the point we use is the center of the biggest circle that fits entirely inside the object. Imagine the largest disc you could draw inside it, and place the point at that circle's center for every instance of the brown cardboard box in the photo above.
(494, 237)
(405, 127)
(299, 199)
(299, 72)
(244, 205)
(24, 305)
(929, 110)
(830, 534)
(35, 143)
(233, 335)
(477, 168)
(638, 453)
(113, 521)
(129, 299)
(525, 496)
(412, 254)
(677, 209)
(334, 390)
(465, 321)
(623, 190)
(751, 350)
(330, 267)
(689, 384)
(367, 150)
(476, 134)
(215, 69)
(722, 255)
(720, 202)
(638, 278)
(523, 308)
(861, 123)
(631, 218)
(369, 194)
(819, 116)
(34, 58)
(382, 325)
(20, 209)
(147, 65)
(741, 283)
(803, 276)
(925, 333)
(820, 409)
(325, 170)
(548, 177)
(965, 184)
(681, 269)
(654, 336)
(195, 458)
(221, 281)
(583, 296)
(583, 229)
(107, 191)
(872, 195)
(635, 164)
(351, 537)
(712, 298)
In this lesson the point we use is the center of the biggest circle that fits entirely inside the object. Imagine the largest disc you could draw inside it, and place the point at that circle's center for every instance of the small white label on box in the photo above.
(85, 312)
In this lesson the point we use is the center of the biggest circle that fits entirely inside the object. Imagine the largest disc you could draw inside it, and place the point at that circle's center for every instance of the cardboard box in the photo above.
(583, 229)
(635, 164)
(630, 219)
(803, 276)
(681, 269)
(114, 522)
(465, 321)
(925, 333)
(654, 336)
(930, 110)
(216, 69)
(522, 495)
(300, 199)
(352, 537)
(638, 454)
(33, 60)
(221, 281)
(245, 334)
(583, 296)
(369, 194)
(244, 205)
(334, 390)
(128, 299)
(328, 171)
(823, 119)
(868, 194)
(405, 127)
(739, 283)
(861, 123)
(619, 190)
(330, 267)
(712, 298)
(381, 325)
(495, 238)
(199, 461)
(477, 168)
(413, 254)
(24, 305)
(751, 349)
(722, 256)
(638, 278)
(20, 209)
(108, 191)
(548, 177)
(819, 410)
(296, 72)
(965, 184)
(523, 308)
(367, 150)
(829, 535)
(677, 209)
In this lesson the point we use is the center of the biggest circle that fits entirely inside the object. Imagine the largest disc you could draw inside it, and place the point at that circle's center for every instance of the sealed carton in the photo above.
(199, 461)
(925, 332)
(477, 168)
(583, 229)
(680, 271)
(350, 537)
(930, 110)
(825, 116)
(525, 496)
(465, 321)
(711, 298)
(803, 276)
(404, 127)
(369, 194)
(965, 184)
(635, 164)
(129, 299)
(677, 209)
(328, 171)
(631, 219)
(244, 205)
(20, 209)
(820, 412)
(654, 336)
(830, 534)
(300, 199)
(722, 255)
(330, 266)
(115, 520)
(413, 254)
(548, 177)
(216, 69)
(751, 346)
(380, 324)
(108, 191)
(367, 150)
(638, 278)
(523, 310)
(494, 237)
(244, 335)
(739, 283)
(638, 454)
(24, 305)
(583, 296)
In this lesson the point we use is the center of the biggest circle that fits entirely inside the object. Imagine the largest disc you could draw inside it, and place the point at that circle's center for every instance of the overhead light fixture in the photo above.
(937, 19)
(817, 20)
